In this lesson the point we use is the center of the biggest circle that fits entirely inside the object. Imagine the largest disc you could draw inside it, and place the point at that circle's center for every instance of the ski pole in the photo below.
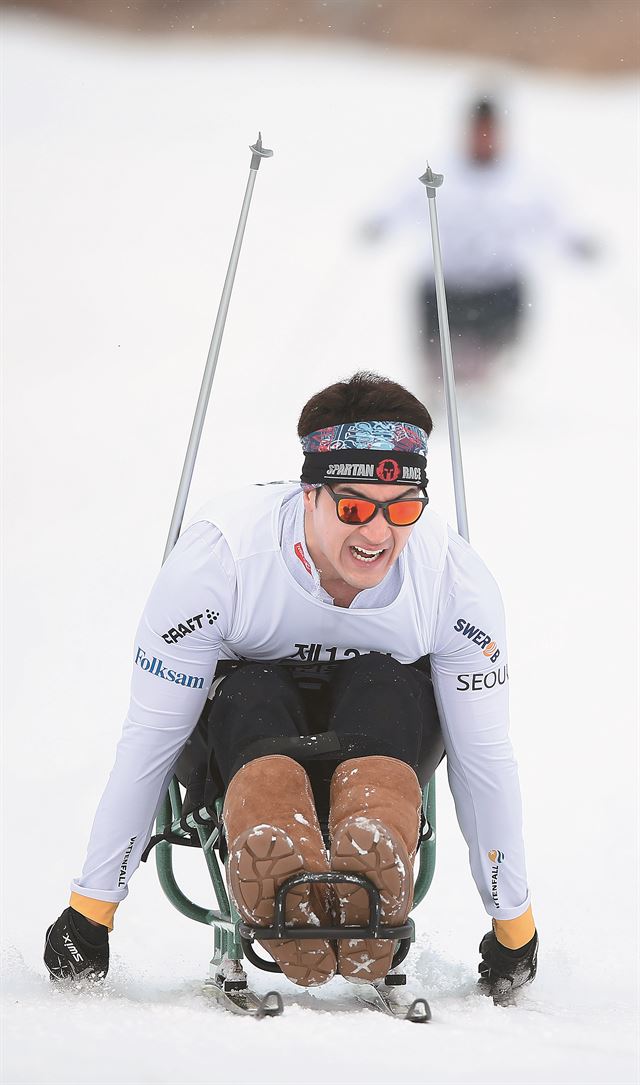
(432, 181)
(258, 153)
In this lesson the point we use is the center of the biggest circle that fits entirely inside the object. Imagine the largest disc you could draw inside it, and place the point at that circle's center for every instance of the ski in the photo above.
(239, 999)
(245, 1002)
(384, 1000)
(227, 985)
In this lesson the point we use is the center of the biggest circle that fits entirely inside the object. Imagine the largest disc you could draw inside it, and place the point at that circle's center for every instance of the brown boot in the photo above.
(374, 825)
(273, 833)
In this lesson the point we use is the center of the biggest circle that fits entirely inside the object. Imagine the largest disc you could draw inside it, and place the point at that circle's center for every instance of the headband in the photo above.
(368, 451)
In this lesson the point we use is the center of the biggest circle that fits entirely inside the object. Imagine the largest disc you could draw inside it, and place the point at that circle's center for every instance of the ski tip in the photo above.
(271, 1005)
(419, 1012)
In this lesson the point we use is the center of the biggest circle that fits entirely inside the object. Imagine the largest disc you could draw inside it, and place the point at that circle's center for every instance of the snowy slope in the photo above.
(124, 168)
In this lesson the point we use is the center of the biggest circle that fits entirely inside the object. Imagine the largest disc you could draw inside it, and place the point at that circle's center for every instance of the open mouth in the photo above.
(367, 557)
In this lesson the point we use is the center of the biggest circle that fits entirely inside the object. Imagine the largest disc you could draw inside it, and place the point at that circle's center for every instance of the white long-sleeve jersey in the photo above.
(240, 584)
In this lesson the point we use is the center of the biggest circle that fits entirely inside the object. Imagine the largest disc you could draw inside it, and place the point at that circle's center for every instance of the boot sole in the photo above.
(362, 845)
(261, 860)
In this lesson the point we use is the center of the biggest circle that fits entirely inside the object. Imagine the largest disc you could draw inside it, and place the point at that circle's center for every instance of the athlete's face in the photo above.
(484, 140)
(358, 556)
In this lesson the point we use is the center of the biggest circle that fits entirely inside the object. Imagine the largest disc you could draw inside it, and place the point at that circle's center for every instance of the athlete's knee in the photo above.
(380, 672)
(374, 667)
(252, 680)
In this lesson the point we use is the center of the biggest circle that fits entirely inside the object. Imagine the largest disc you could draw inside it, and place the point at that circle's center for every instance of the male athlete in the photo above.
(495, 217)
(343, 608)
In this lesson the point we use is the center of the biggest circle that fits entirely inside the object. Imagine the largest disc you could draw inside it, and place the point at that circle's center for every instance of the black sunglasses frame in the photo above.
(384, 505)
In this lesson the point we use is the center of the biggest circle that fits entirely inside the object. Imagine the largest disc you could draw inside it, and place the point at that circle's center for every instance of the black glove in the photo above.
(503, 970)
(75, 947)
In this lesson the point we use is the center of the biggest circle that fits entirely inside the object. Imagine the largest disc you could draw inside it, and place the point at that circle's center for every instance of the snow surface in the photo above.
(124, 167)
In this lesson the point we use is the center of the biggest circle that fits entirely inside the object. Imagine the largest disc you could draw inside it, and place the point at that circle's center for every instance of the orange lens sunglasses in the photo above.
(361, 510)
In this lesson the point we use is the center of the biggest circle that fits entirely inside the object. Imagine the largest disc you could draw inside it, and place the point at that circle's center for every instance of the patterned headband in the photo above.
(385, 436)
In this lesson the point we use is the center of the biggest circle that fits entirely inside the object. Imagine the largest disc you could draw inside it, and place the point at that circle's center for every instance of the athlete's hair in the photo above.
(364, 397)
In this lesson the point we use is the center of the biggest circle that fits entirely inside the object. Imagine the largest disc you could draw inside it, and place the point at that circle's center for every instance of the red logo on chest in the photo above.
(299, 552)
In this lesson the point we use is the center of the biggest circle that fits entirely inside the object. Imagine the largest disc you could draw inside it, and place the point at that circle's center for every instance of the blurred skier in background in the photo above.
(492, 214)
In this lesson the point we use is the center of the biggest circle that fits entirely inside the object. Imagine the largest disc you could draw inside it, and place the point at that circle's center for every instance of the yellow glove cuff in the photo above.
(101, 911)
(515, 933)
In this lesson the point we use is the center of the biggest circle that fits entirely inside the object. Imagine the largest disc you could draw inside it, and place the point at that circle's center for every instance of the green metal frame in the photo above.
(224, 920)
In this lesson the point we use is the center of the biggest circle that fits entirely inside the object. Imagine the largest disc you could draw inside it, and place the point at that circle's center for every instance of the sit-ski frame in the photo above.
(232, 937)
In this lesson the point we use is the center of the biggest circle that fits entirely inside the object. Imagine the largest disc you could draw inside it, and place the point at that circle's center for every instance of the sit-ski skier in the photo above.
(350, 611)
(496, 217)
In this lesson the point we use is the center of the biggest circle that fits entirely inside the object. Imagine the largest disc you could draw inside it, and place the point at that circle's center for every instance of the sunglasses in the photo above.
(361, 510)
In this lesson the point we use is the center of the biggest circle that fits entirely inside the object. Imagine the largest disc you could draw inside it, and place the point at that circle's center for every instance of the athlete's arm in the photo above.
(174, 657)
(471, 678)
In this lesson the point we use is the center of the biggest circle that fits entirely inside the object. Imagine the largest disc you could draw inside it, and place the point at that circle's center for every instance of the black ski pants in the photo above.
(373, 705)
(491, 316)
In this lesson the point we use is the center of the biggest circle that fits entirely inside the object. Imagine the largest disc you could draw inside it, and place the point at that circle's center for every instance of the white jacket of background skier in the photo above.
(492, 217)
